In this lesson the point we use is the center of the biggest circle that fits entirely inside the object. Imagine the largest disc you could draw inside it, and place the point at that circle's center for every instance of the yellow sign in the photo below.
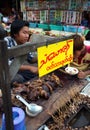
(54, 56)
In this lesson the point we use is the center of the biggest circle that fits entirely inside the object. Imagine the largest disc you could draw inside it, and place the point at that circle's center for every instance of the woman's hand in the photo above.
(34, 69)
(81, 75)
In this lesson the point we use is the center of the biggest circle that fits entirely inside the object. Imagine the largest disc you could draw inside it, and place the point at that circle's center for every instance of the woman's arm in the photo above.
(83, 74)
(30, 68)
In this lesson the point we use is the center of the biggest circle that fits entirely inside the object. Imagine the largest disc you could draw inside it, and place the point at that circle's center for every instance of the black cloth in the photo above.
(27, 75)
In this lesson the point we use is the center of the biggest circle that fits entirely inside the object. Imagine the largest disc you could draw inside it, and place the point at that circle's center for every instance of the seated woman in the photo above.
(81, 58)
(20, 35)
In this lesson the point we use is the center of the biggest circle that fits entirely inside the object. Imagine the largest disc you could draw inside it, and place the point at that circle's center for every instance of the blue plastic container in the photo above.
(56, 27)
(73, 29)
(18, 119)
(44, 26)
(33, 25)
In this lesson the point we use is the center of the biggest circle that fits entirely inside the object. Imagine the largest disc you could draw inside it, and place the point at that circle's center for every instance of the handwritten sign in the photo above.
(54, 56)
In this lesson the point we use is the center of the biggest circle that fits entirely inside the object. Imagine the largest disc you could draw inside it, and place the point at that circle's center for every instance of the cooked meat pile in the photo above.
(39, 88)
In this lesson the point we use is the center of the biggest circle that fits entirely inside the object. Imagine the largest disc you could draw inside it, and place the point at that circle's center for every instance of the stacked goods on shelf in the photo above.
(52, 16)
(53, 4)
(33, 15)
(32, 4)
(29, 4)
(73, 4)
(71, 17)
(55, 16)
(37, 15)
(43, 4)
(67, 13)
(43, 16)
(36, 4)
(58, 17)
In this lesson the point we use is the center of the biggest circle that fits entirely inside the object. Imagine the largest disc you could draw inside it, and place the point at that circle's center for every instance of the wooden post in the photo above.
(5, 85)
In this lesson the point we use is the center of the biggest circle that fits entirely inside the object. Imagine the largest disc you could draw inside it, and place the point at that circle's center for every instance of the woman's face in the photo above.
(23, 35)
(79, 53)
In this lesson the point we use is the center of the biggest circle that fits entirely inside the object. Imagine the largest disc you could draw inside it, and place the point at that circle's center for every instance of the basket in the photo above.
(56, 27)
(45, 27)
(74, 29)
(33, 25)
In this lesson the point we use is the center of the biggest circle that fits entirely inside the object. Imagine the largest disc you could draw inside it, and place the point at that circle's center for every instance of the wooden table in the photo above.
(72, 86)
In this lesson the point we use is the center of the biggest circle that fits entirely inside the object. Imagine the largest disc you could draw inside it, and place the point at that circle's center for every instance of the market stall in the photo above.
(60, 87)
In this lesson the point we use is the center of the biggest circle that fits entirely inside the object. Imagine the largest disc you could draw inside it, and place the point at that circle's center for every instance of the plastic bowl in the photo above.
(71, 70)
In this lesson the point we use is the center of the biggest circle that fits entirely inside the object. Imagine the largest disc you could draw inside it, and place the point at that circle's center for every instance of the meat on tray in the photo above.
(38, 88)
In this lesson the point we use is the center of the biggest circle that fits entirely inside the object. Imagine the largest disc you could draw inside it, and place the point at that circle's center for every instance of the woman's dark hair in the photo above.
(17, 25)
(78, 42)
(87, 37)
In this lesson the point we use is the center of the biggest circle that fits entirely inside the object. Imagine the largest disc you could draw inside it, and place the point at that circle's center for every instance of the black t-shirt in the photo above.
(27, 75)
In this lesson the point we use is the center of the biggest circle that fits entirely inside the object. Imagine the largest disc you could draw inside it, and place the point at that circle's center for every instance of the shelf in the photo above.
(56, 13)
